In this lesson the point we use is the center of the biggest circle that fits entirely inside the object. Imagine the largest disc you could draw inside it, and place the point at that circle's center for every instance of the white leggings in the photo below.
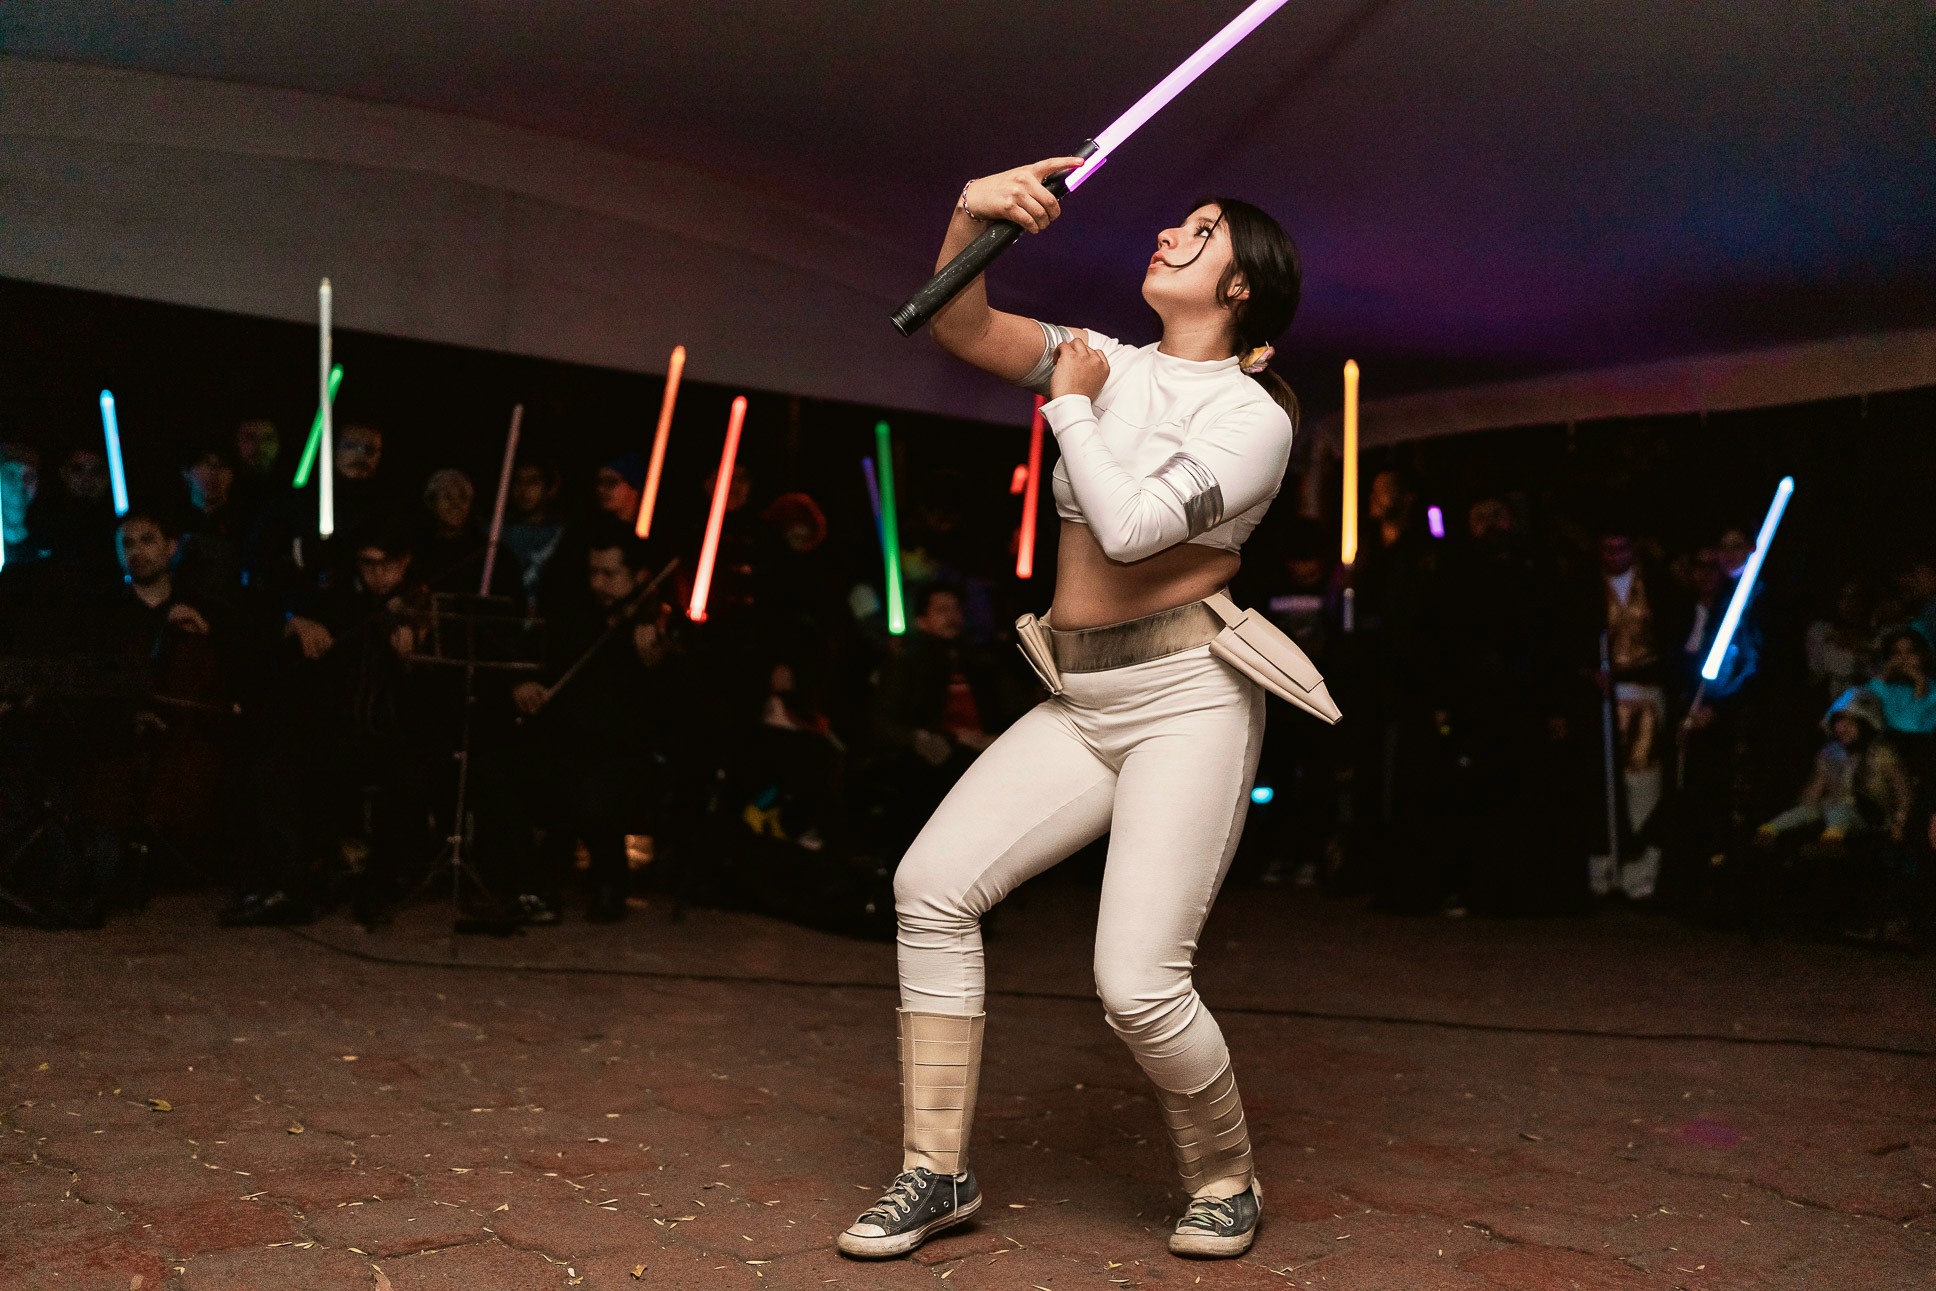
(1160, 755)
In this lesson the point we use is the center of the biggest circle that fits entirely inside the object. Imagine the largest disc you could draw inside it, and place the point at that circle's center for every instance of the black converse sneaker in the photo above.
(1218, 1226)
(919, 1204)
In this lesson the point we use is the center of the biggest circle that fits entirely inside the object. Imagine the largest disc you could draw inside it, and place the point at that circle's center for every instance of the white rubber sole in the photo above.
(1206, 1246)
(887, 1247)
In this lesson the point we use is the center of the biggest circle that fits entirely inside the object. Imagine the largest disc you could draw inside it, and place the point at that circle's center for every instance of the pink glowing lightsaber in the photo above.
(503, 492)
(709, 550)
(980, 253)
(674, 370)
(1025, 550)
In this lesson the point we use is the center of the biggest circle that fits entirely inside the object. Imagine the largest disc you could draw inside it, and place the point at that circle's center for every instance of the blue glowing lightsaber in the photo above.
(1743, 589)
(111, 429)
(995, 239)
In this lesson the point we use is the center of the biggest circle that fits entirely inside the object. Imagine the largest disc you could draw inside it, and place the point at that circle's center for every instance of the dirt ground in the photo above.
(1437, 1105)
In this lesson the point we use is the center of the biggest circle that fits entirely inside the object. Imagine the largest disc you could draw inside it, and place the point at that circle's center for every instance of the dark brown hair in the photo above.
(1263, 255)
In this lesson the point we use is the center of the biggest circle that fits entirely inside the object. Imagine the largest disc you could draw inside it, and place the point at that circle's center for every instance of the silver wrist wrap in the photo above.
(1195, 488)
(1037, 378)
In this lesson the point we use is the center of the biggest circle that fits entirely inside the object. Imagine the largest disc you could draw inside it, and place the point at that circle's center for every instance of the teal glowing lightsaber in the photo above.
(890, 531)
(1744, 587)
(315, 441)
(117, 473)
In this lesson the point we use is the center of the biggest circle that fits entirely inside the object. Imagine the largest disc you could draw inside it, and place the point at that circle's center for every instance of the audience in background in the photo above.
(615, 740)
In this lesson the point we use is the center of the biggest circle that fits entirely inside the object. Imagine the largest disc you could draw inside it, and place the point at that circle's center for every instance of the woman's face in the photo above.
(1187, 265)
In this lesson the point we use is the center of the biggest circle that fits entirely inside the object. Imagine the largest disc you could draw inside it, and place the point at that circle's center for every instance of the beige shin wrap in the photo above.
(1208, 1135)
(940, 1069)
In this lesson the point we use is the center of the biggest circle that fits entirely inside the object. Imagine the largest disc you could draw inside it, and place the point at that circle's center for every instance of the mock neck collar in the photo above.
(1175, 366)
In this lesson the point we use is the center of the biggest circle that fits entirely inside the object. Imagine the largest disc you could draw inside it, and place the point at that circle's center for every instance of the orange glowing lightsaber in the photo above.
(709, 550)
(1025, 550)
(674, 370)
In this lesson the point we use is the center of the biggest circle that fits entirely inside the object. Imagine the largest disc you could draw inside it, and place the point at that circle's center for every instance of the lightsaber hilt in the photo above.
(973, 259)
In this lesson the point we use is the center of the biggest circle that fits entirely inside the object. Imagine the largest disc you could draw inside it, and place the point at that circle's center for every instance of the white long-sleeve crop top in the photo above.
(1172, 450)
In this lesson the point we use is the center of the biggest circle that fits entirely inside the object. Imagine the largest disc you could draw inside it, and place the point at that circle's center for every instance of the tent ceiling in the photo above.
(1479, 189)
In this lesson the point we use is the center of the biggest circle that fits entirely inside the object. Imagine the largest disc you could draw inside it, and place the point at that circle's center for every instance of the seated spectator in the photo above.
(283, 550)
(1838, 646)
(1902, 682)
(1917, 588)
(76, 520)
(147, 554)
(257, 455)
(213, 527)
(19, 489)
(600, 726)
(1859, 783)
(794, 766)
(355, 724)
(619, 487)
(935, 705)
(450, 557)
(533, 529)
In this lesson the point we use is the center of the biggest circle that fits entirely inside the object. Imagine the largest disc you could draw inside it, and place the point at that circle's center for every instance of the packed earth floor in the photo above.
(703, 1101)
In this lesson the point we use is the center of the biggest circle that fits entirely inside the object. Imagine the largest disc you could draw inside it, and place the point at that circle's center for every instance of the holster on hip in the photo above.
(1032, 635)
(1258, 648)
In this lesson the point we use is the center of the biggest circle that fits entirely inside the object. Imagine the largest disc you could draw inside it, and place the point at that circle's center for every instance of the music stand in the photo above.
(472, 633)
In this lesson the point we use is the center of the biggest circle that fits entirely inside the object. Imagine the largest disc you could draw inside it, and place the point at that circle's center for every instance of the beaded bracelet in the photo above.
(962, 202)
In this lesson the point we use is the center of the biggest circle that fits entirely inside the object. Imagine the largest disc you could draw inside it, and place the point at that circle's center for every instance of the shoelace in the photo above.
(899, 1198)
(1208, 1212)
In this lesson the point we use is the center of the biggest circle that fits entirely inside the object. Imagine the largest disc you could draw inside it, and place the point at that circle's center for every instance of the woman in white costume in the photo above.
(1171, 453)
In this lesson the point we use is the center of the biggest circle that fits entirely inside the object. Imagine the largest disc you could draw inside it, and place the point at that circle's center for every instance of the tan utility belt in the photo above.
(1244, 639)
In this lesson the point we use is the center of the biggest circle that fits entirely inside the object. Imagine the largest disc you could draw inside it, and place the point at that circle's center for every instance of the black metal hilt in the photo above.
(974, 258)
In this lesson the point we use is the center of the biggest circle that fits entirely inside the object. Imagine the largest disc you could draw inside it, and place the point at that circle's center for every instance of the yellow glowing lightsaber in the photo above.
(674, 370)
(1350, 553)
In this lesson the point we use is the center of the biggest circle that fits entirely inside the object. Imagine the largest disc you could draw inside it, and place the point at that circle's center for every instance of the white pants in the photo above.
(1160, 755)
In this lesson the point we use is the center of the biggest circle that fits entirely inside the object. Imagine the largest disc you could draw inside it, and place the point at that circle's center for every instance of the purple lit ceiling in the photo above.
(1479, 188)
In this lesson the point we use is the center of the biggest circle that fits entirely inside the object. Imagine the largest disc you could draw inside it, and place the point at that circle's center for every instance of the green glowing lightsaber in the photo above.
(890, 531)
(308, 462)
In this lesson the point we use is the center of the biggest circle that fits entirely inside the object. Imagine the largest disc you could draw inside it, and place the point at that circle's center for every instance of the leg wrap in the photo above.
(1209, 1137)
(940, 1070)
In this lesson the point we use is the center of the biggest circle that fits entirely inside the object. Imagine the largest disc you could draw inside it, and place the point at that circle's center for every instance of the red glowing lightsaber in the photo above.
(709, 550)
(1025, 550)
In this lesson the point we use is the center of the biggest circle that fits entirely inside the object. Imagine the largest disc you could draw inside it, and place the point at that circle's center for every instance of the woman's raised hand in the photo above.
(1020, 195)
(1080, 369)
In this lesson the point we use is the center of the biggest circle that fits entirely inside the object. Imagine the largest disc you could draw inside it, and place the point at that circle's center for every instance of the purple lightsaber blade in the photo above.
(996, 238)
(1170, 86)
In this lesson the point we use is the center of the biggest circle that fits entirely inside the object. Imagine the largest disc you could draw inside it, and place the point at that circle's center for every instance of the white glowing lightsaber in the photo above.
(1744, 588)
(503, 492)
(993, 240)
(326, 449)
(117, 473)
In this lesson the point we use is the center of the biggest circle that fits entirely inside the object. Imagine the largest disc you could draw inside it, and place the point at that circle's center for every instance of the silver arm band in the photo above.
(1037, 377)
(1195, 488)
